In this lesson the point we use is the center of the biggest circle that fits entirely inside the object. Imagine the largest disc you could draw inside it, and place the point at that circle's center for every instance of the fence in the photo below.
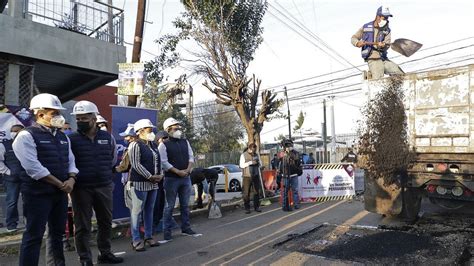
(26, 85)
(93, 18)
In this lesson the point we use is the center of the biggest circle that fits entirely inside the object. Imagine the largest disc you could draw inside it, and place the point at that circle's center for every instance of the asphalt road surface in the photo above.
(244, 239)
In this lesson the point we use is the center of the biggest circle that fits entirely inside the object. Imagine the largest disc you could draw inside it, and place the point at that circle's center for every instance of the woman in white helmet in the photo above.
(144, 178)
(101, 123)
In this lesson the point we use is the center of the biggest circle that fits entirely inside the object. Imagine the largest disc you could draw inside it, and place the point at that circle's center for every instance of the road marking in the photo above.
(242, 234)
(259, 243)
(246, 218)
(263, 258)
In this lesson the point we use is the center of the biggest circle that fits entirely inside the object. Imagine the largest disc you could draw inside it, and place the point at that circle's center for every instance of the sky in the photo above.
(285, 56)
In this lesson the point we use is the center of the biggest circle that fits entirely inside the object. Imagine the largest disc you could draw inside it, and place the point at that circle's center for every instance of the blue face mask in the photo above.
(67, 131)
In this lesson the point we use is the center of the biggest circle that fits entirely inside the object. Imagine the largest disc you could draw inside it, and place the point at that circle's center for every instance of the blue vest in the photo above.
(53, 154)
(368, 36)
(178, 155)
(93, 158)
(147, 160)
(12, 163)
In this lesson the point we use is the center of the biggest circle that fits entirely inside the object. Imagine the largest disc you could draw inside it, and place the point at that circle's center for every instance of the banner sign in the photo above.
(326, 180)
(121, 117)
(13, 115)
(131, 79)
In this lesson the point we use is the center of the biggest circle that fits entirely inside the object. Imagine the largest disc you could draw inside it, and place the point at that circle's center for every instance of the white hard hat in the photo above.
(170, 122)
(46, 100)
(84, 107)
(142, 123)
(129, 131)
(101, 119)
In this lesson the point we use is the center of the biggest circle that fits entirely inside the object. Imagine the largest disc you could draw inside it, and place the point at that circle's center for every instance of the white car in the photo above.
(234, 178)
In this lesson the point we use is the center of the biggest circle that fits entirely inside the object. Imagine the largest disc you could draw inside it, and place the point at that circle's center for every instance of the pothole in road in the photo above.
(375, 246)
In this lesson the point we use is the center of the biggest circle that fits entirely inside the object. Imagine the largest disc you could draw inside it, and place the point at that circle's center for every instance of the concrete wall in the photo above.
(30, 39)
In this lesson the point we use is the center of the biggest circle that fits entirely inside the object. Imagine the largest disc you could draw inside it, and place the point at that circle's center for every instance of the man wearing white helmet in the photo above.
(177, 160)
(95, 154)
(50, 171)
(379, 33)
(102, 123)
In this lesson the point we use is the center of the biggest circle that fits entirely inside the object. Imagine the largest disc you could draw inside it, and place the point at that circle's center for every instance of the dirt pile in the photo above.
(383, 145)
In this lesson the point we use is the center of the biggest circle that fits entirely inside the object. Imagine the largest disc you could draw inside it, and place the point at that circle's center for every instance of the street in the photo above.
(240, 239)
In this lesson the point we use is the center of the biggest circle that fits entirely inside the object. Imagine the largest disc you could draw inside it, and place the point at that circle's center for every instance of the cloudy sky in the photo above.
(306, 40)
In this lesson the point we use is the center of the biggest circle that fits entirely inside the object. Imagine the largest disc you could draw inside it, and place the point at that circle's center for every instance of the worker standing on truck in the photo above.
(374, 40)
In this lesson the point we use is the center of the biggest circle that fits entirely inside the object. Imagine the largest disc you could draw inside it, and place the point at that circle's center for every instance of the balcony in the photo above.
(71, 46)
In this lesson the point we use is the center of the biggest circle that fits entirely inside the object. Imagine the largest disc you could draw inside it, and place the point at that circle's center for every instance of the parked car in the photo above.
(235, 177)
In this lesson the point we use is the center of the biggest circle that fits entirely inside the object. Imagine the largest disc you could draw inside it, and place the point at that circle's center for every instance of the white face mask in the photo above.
(382, 23)
(150, 136)
(177, 134)
(57, 121)
(103, 128)
(13, 134)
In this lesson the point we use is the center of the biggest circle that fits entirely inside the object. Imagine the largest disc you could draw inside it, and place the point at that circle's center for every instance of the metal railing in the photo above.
(94, 18)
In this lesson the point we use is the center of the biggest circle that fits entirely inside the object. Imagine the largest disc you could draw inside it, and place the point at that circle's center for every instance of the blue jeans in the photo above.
(13, 192)
(39, 210)
(294, 188)
(180, 187)
(143, 203)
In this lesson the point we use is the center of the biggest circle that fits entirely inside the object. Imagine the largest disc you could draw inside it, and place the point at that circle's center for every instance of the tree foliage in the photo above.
(217, 127)
(299, 122)
(228, 32)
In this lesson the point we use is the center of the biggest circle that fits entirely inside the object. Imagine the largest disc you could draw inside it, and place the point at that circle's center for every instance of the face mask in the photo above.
(57, 121)
(177, 134)
(382, 23)
(83, 126)
(67, 131)
(103, 128)
(13, 134)
(150, 136)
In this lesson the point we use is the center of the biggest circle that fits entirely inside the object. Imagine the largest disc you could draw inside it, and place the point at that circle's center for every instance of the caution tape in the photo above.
(333, 198)
(328, 166)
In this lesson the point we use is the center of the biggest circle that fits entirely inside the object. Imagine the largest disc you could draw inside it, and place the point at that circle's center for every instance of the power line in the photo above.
(347, 69)
(312, 34)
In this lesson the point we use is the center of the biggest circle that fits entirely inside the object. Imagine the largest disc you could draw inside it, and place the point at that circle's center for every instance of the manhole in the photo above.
(375, 246)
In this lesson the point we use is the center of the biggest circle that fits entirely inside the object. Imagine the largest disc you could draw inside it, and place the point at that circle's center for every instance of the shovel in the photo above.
(403, 46)
(264, 201)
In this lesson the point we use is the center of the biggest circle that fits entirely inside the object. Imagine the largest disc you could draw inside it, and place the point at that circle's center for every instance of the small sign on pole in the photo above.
(131, 79)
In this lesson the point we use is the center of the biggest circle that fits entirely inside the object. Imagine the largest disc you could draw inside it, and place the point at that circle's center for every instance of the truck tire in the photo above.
(447, 203)
(411, 204)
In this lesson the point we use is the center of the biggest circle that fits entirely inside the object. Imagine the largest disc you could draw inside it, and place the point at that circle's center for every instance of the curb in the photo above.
(120, 229)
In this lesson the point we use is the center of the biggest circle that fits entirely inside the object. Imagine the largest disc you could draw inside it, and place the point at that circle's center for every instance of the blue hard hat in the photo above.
(384, 12)
(128, 132)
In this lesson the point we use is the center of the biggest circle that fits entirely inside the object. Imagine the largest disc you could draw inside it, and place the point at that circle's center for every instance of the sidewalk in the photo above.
(10, 242)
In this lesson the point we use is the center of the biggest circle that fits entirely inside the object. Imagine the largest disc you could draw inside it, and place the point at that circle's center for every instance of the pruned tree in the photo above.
(228, 32)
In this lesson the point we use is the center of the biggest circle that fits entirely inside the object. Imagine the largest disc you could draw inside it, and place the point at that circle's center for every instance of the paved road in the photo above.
(241, 239)
(238, 238)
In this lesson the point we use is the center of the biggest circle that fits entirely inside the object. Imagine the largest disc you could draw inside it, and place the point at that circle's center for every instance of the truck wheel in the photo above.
(411, 204)
(447, 204)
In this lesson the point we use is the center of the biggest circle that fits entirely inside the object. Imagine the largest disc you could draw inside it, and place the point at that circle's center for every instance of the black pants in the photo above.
(251, 187)
(83, 201)
(39, 210)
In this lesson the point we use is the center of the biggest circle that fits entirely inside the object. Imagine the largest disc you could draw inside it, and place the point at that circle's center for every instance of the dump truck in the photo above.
(439, 107)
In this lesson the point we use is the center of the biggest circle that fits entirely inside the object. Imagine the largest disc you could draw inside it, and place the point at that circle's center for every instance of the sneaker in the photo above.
(258, 209)
(166, 237)
(190, 232)
(247, 211)
(109, 258)
(12, 230)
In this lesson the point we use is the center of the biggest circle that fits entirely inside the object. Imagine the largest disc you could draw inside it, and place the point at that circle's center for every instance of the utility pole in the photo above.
(325, 134)
(333, 132)
(289, 117)
(137, 42)
(110, 22)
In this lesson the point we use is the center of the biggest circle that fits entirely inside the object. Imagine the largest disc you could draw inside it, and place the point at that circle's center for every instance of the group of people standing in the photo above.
(47, 166)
